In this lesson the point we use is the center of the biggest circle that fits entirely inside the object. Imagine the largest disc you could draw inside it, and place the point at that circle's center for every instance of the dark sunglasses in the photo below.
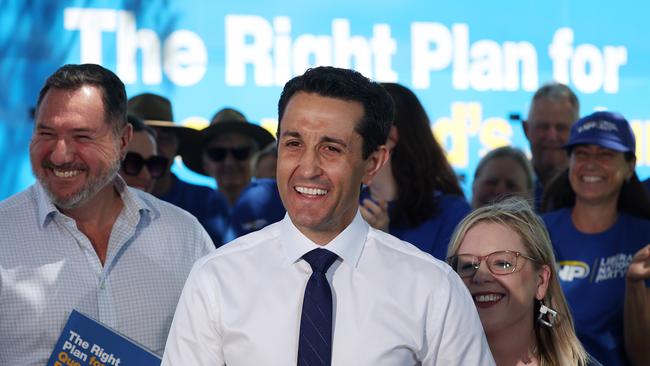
(218, 154)
(133, 163)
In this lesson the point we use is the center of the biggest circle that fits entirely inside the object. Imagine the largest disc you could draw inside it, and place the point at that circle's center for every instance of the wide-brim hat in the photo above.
(607, 129)
(193, 154)
(156, 111)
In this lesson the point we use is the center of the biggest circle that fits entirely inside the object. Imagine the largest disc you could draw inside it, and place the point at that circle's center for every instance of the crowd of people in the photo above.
(346, 240)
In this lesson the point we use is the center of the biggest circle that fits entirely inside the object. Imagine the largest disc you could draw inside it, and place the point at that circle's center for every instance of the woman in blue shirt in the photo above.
(600, 231)
(415, 196)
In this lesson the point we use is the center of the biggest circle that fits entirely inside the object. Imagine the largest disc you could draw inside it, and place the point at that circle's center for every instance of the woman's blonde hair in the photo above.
(557, 345)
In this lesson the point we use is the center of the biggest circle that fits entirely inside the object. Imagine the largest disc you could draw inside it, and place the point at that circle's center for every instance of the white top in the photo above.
(48, 267)
(393, 304)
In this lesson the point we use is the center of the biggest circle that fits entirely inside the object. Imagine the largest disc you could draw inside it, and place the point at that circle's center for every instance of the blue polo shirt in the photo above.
(209, 206)
(432, 235)
(257, 206)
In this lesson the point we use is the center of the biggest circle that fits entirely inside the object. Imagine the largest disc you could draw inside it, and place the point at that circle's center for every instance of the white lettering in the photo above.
(239, 52)
(560, 51)
(347, 47)
(383, 48)
(91, 23)
(128, 40)
(423, 58)
(185, 58)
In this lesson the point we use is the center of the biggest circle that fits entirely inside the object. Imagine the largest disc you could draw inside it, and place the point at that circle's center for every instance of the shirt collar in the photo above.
(347, 245)
(45, 207)
(133, 205)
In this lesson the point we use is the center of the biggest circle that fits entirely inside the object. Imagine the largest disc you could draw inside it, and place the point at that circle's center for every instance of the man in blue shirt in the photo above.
(209, 206)
(80, 238)
(553, 111)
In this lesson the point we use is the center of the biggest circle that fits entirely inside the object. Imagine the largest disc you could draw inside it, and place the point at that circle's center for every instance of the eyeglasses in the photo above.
(499, 263)
(133, 163)
(218, 154)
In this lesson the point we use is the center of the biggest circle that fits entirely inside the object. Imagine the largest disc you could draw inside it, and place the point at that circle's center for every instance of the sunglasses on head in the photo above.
(133, 163)
(218, 154)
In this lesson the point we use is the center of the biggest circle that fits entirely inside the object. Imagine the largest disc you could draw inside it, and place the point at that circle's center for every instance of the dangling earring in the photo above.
(547, 315)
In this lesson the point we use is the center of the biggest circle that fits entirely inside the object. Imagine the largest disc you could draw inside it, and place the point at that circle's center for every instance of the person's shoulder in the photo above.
(244, 245)
(163, 210)
(196, 189)
(636, 226)
(18, 201)
(557, 216)
(399, 251)
(632, 219)
(263, 191)
(453, 203)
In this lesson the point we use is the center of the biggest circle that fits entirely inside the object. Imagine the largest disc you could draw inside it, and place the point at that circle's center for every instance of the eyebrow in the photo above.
(296, 134)
(43, 126)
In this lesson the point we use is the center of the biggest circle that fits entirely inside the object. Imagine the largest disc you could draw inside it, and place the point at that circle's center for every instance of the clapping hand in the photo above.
(375, 213)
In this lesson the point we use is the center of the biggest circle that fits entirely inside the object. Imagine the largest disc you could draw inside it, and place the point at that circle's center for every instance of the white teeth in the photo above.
(66, 173)
(311, 191)
(488, 298)
(591, 179)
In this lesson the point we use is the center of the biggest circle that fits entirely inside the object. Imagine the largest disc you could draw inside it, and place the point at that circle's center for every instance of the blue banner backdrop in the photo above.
(472, 64)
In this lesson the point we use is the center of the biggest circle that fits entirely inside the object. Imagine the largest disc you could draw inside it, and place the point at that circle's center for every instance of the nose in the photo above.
(501, 187)
(483, 274)
(310, 164)
(62, 153)
(552, 134)
(145, 175)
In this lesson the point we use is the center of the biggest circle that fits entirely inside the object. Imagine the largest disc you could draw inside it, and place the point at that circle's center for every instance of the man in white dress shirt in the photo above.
(250, 303)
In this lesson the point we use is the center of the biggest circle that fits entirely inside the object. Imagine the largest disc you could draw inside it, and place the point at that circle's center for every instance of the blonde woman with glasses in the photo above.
(503, 254)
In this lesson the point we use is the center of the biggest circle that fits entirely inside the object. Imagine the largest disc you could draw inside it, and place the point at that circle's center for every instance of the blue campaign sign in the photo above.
(472, 64)
(85, 341)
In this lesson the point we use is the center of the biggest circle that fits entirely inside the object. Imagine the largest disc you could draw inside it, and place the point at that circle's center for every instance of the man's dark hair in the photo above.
(73, 77)
(347, 85)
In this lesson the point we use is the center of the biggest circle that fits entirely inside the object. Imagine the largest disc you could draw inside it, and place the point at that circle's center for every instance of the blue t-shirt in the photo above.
(538, 195)
(257, 206)
(592, 275)
(209, 206)
(433, 235)
(646, 183)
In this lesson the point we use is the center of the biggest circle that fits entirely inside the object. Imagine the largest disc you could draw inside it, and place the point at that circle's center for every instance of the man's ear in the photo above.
(375, 161)
(125, 138)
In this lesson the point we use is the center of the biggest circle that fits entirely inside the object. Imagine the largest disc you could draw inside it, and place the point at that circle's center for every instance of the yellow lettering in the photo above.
(495, 132)
(453, 133)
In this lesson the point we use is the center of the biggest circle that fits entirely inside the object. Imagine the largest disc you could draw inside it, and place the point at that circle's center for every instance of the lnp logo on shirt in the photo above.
(608, 268)
(570, 270)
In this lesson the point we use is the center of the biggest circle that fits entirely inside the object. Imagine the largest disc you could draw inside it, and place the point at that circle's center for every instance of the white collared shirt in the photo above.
(393, 304)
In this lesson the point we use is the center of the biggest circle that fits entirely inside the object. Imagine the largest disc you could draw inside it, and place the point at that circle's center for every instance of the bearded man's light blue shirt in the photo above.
(48, 267)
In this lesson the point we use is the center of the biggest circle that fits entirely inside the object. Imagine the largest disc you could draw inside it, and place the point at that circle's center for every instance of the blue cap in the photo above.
(257, 206)
(607, 129)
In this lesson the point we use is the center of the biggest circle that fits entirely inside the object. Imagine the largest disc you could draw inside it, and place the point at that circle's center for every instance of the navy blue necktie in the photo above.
(315, 344)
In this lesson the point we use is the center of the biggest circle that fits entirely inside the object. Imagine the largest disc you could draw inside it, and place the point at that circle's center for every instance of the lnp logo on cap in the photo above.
(601, 125)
